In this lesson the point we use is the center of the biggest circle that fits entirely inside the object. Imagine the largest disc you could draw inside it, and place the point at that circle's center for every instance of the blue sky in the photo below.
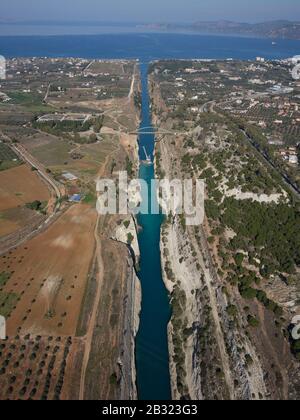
(150, 10)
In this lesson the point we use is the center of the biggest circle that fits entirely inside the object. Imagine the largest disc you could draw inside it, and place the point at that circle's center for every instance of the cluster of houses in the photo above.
(3, 97)
(71, 181)
(290, 155)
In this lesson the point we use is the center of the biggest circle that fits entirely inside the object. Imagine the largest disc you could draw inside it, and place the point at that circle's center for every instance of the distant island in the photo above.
(274, 29)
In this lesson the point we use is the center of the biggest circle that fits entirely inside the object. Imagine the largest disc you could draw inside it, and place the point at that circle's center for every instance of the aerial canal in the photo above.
(152, 358)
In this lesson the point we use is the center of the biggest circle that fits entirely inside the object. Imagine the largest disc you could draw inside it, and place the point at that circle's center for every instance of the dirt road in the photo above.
(132, 85)
(92, 321)
(100, 275)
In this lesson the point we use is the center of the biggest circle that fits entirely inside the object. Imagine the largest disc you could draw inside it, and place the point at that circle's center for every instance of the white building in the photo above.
(295, 59)
(293, 159)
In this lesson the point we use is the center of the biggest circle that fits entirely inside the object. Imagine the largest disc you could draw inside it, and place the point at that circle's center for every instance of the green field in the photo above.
(22, 98)
(53, 154)
(32, 101)
(4, 277)
(7, 303)
(8, 159)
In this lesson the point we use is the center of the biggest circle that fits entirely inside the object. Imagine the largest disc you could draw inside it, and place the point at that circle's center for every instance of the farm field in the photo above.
(48, 276)
(13, 220)
(43, 361)
(42, 285)
(8, 159)
(19, 186)
(110, 67)
(49, 150)
(61, 154)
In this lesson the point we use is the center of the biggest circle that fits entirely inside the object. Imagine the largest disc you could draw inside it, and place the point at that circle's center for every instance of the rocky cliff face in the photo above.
(208, 355)
(126, 233)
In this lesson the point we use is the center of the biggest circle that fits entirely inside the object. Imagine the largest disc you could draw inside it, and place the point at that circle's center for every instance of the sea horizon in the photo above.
(147, 46)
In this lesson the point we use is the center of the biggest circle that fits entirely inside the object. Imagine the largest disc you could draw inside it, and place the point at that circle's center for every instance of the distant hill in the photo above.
(273, 29)
(276, 29)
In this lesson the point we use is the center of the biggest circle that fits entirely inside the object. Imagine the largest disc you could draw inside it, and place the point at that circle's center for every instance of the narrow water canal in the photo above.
(152, 358)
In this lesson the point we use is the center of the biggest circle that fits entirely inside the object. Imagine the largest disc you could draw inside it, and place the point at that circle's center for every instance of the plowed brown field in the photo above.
(49, 275)
(19, 186)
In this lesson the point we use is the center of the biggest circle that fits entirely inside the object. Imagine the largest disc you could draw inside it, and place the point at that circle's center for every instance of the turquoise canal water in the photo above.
(152, 358)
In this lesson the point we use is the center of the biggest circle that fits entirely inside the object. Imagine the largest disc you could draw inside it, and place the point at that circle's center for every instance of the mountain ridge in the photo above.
(271, 29)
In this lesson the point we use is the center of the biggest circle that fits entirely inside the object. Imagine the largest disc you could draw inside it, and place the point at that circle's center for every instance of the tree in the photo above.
(35, 205)
(248, 360)
(232, 310)
(126, 224)
(130, 238)
(93, 138)
(248, 293)
(252, 321)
